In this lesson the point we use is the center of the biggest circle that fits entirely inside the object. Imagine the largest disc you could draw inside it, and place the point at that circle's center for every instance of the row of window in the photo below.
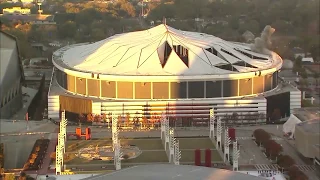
(166, 90)
(13, 92)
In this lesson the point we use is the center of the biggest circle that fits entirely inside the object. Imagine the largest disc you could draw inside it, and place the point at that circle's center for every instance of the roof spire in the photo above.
(164, 21)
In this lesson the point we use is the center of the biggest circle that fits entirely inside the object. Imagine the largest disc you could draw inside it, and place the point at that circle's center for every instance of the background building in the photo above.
(11, 76)
(16, 11)
(304, 127)
(307, 135)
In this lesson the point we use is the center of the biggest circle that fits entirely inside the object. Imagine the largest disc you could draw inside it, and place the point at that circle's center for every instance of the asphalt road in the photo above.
(288, 146)
(17, 149)
(250, 153)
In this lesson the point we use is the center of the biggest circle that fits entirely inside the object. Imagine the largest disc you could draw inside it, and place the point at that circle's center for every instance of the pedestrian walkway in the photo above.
(306, 167)
(51, 148)
(265, 167)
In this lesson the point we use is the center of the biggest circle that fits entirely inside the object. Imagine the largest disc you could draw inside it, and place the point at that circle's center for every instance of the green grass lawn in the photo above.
(195, 143)
(157, 153)
(143, 144)
(144, 157)
(188, 156)
(75, 145)
(76, 160)
(152, 150)
(148, 157)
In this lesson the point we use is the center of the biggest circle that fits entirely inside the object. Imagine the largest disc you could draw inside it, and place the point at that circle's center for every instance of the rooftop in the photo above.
(312, 126)
(168, 171)
(163, 50)
(307, 114)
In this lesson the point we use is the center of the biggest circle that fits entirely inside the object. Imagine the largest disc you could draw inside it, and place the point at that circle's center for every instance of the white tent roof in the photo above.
(290, 125)
(144, 53)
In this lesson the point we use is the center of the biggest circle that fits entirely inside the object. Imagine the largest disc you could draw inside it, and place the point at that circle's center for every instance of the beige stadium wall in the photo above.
(94, 87)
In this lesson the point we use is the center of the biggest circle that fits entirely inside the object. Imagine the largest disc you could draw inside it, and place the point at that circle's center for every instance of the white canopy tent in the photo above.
(289, 126)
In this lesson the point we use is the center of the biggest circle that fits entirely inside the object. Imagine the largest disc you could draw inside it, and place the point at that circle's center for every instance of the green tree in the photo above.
(126, 8)
(273, 149)
(285, 161)
(67, 30)
(261, 136)
(296, 174)
(97, 34)
(161, 11)
(87, 16)
(251, 25)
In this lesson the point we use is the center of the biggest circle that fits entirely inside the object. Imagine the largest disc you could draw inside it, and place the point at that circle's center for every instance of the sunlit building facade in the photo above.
(162, 70)
(16, 11)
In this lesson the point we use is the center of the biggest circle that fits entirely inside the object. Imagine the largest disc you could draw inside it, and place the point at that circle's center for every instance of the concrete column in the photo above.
(116, 82)
(205, 89)
(238, 87)
(86, 87)
(151, 86)
(264, 81)
(169, 86)
(187, 90)
(75, 84)
(222, 88)
(134, 90)
(252, 84)
(100, 88)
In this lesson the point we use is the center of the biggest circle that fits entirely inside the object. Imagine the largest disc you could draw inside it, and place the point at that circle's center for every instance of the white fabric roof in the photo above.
(290, 125)
(143, 53)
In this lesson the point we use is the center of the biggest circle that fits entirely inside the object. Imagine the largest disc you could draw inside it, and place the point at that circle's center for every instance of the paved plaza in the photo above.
(19, 141)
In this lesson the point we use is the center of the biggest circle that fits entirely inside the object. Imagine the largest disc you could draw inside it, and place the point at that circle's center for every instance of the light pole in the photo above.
(211, 124)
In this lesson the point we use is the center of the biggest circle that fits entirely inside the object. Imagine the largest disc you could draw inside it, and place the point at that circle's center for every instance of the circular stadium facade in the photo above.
(164, 63)
(164, 70)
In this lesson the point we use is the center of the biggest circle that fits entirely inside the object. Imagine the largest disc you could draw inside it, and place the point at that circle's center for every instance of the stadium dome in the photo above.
(163, 65)
(163, 50)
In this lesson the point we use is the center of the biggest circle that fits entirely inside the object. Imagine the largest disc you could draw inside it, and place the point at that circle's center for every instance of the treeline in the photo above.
(288, 15)
(298, 20)
(92, 25)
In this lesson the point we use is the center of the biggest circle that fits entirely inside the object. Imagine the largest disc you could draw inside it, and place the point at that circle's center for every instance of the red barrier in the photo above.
(78, 132)
(87, 133)
(232, 134)
(208, 158)
(197, 157)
